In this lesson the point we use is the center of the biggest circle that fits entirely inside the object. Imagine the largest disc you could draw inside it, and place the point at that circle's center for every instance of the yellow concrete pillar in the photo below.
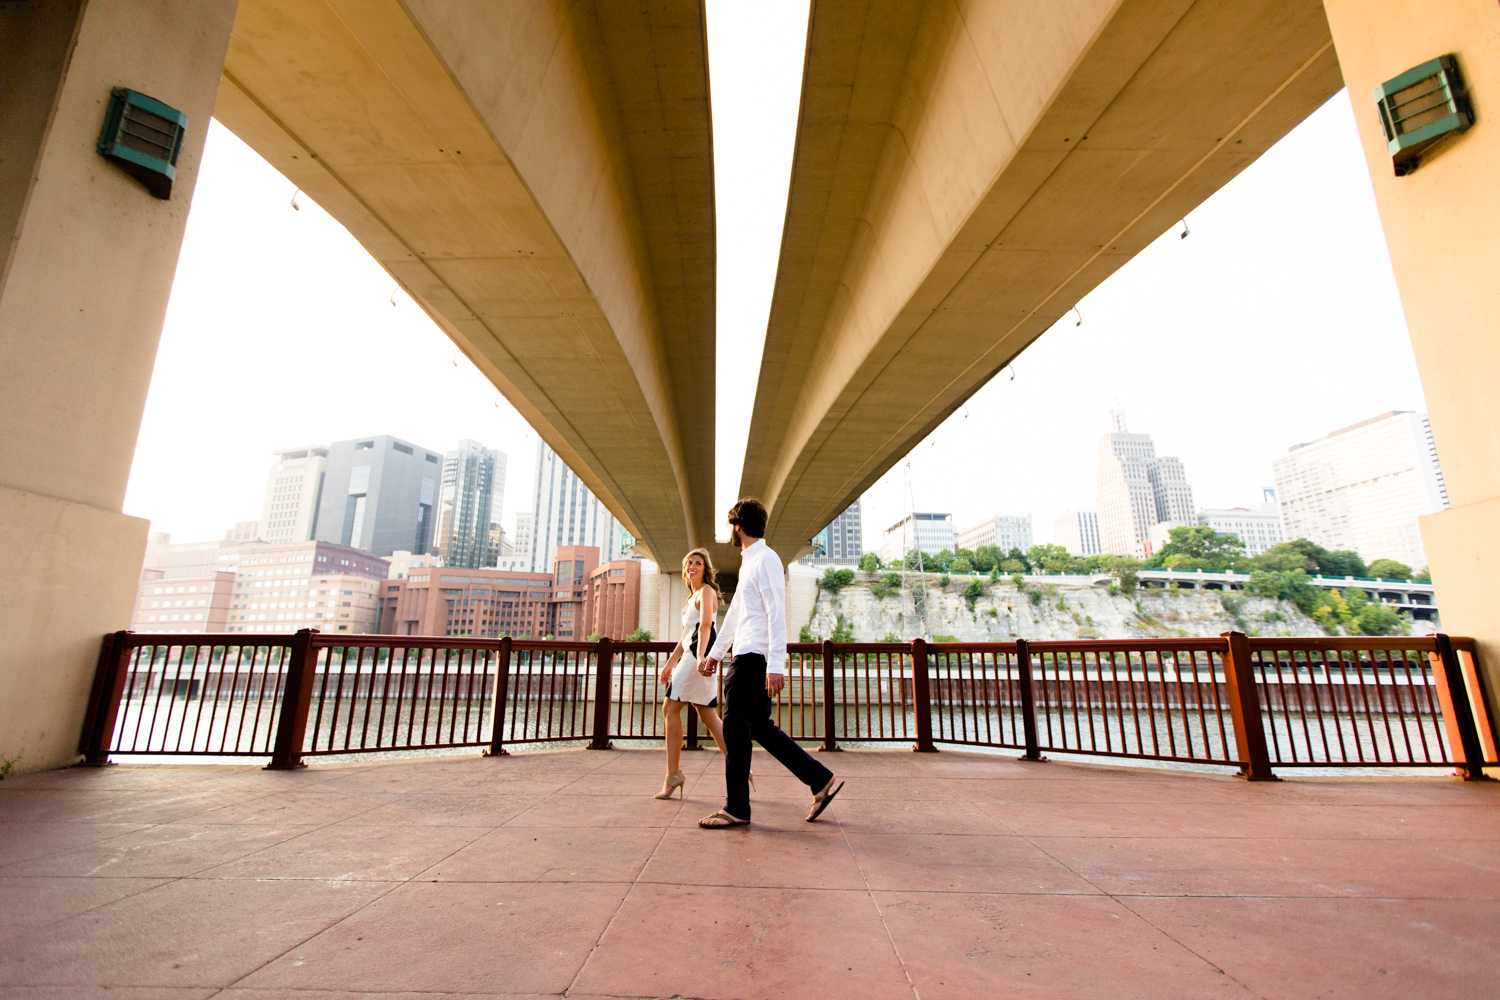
(88, 267)
(1442, 225)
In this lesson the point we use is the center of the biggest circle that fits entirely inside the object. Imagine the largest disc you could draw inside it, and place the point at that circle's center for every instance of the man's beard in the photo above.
(734, 538)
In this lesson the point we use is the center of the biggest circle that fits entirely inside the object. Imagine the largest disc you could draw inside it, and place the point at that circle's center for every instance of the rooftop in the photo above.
(555, 872)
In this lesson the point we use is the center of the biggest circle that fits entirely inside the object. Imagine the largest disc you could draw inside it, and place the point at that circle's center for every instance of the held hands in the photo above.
(708, 667)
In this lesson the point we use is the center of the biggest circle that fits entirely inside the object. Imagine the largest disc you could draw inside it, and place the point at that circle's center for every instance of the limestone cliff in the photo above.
(1039, 610)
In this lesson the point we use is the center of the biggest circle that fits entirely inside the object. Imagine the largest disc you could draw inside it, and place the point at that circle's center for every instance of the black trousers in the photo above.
(747, 716)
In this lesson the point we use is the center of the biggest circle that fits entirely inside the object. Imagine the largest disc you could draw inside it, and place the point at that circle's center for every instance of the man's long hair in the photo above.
(710, 577)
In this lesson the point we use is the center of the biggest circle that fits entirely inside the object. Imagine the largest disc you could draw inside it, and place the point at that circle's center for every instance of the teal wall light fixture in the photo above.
(1421, 106)
(143, 137)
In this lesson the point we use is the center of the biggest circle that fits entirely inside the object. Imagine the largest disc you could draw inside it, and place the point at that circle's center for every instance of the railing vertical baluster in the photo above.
(1463, 734)
(603, 685)
(291, 728)
(1028, 700)
(829, 742)
(1244, 709)
(104, 705)
(923, 693)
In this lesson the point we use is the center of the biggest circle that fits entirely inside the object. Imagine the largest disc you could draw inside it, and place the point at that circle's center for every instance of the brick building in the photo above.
(579, 599)
(484, 603)
(182, 604)
(615, 598)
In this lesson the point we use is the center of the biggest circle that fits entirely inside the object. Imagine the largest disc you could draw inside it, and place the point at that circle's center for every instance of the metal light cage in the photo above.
(144, 137)
(1419, 107)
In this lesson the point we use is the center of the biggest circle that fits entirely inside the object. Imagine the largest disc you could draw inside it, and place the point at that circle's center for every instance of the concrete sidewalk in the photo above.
(932, 876)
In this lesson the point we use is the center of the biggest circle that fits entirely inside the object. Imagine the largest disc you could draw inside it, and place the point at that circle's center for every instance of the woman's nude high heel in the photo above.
(674, 781)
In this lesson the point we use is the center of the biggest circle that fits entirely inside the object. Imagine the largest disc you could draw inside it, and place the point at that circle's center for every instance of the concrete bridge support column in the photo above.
(88, 264)
(1442, 225)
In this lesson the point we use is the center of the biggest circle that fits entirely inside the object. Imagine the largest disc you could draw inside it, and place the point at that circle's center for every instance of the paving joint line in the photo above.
(1120, 900)
(636, 880)
(879, 913)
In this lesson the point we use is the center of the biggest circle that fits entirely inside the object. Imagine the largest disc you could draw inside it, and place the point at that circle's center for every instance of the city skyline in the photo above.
(1332, 340)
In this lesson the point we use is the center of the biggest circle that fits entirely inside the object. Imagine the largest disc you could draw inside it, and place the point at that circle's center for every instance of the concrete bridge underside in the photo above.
(538, 175)
(964, 174)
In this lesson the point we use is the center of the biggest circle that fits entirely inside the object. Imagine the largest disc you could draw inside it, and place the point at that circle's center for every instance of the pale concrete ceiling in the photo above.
(539, 177)
(966, 172)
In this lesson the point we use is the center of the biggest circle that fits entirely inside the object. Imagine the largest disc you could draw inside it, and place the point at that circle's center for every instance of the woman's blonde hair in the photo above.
(710, 578)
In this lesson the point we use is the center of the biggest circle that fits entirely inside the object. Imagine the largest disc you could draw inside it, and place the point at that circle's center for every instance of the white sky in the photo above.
(1275, 322)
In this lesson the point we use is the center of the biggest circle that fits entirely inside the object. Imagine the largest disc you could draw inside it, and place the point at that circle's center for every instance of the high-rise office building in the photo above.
(566, 512)
(379, 495)
(928, 532)
(1363, 488)
(1136, 490)
(1257, 529)
(294, 488)
(843, 538)
(1006, 533)
(521, 542)
(1078, 532)
(469, 506)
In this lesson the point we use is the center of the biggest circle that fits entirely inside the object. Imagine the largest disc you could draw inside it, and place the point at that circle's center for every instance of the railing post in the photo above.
(829, 742)
(603, 689)
(104, 700)
(1244, 709)
(497, 701)
(922, 695)
(1458, 717)
(296, 700)
(1028, 702)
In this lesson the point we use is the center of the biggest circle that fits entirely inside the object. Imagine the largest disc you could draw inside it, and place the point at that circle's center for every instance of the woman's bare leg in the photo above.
(715, 726)
(672, 714)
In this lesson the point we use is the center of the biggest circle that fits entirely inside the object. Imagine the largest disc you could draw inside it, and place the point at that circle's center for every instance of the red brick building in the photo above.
(580, 598)
(469, 602)
(615, 598)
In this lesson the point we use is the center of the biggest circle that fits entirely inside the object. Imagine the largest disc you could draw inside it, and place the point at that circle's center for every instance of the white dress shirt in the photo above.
(756, 622)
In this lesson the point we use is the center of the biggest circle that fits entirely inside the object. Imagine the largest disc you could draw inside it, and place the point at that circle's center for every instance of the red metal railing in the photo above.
(1250, 703)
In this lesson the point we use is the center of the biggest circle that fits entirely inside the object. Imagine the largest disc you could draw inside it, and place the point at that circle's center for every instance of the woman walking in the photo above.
(685, 685)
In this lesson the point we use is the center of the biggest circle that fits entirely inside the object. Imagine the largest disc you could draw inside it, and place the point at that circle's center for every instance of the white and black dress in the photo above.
(686, 683)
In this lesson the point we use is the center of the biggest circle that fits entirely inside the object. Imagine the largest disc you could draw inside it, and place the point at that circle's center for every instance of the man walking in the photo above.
(755, 629)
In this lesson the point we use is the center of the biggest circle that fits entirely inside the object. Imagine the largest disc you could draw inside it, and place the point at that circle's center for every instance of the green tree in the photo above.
(1198, 547)
(1126, 570)
(1049, 558)
(1310, 558)
(943, 582)
(892, 580)
(1015, 566)
(1390, 569)
(987, 558)
(594, 637)
(972, 593)
(891, 637)
(1290, 585)
(806, 635)
(961, 565)
(842, 630)
(1424, 575)
(835, 580)
(869, 563)
(639, 635)
(1016, 555)
(942, 559)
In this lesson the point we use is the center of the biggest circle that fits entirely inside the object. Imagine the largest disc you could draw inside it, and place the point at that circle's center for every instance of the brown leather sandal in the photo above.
(821, 800)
